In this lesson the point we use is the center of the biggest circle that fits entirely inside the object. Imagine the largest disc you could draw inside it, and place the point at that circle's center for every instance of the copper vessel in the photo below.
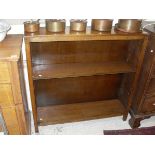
(101, 24)
(31, 26)
(78, 25)
(55, 25)
(129, 25)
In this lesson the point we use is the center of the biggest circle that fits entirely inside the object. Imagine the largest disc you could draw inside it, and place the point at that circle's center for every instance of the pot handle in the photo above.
(37, 21)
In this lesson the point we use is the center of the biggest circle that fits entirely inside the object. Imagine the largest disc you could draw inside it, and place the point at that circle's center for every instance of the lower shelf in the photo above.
(79, 112)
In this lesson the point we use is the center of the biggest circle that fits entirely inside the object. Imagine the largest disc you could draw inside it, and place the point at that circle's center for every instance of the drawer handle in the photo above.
(151, 51)
(153, 104)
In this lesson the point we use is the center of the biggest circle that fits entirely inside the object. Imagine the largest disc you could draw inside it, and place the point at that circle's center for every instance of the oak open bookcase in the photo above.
(80, 76)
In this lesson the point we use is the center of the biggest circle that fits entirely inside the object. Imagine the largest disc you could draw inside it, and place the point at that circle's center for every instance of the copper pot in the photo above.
(101, 24)
(55, 25)
(31, 26)
(129, 25)
(78, 25)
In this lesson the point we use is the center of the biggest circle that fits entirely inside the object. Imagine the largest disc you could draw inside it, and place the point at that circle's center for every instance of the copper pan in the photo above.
(78, 25)
(31, 26)
(55, 25)
(129, 25)
(102, 24)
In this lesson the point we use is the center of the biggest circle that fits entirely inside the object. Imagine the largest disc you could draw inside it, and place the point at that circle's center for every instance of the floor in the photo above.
(92, 127)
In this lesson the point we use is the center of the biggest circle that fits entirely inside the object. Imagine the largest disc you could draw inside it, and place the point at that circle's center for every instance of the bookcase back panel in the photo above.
(79, 51)
(75, 90)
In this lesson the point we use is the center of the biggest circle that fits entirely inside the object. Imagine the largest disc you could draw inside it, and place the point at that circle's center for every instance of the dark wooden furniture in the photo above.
(13, 103)
(136, 131)
(144, 100)
(79, 76)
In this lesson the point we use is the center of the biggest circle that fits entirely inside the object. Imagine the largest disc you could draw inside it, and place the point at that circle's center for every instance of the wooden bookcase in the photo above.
(79, 76)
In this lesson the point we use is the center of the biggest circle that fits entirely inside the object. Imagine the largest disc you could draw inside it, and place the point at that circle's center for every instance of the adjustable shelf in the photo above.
(80, 69)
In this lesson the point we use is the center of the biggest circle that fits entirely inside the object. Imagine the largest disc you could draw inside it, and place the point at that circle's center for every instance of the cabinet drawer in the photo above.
(149, 105)
(11, 120)
(6, 96)
(4, 73)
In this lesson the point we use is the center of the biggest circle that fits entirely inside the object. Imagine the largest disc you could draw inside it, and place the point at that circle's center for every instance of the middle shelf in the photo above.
(80, 69)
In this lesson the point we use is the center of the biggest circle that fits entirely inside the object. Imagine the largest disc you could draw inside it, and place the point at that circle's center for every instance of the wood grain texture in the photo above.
(11, 120)
(15, 82)
(15, 119)
(6, 96)
(80, 69)
(144, 98)
(11, 90)
(44, 36)
(67, 69)
(10, 48)
(95, 51)
(21, 66)
(149, 105)
(137, 74)
(151, 88)
(24, 120)
(75, 90)
(79, 112)
(153, 72)
(4, 73)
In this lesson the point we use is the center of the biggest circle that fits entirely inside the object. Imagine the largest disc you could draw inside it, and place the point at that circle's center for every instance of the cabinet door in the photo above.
(6, 96)
(4, 73)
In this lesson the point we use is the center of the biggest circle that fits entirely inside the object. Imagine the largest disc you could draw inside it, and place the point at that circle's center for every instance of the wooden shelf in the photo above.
(79, 111)
(79, 69)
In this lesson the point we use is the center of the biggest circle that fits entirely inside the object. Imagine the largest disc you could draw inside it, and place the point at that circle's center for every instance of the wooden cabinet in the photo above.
(144, 100)
(80, 76)
(13, 102)
(4, 74)
(6, 98)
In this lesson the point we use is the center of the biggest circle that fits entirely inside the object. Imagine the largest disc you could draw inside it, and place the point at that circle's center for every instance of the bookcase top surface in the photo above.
(44, 35)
